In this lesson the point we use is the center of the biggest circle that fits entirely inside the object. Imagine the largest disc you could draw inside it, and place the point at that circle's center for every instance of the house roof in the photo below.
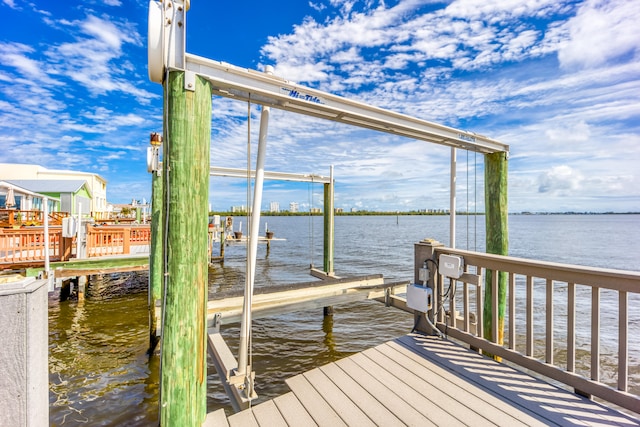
(50, 185)
(5, 185)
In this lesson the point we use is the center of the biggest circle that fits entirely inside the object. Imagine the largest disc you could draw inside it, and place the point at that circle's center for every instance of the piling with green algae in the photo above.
(155, 256)
(497, 238)
(328, 228)
(187, 136)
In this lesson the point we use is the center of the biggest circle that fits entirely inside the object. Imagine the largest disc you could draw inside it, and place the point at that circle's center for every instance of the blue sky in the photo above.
(559, 81)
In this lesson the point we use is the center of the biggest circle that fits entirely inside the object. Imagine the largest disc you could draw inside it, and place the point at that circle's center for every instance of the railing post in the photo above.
(126, 240)
(424, 251)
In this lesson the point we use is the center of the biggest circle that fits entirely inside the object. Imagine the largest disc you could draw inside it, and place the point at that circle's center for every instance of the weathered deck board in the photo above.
(522, 392)
(422, 381)
(292, 410)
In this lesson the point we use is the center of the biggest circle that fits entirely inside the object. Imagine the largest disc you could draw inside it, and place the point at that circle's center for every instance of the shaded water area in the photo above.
(101, 374)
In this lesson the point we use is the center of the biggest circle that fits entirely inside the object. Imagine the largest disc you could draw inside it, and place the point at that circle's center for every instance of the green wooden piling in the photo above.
(155, 256)
(187, 136)
(497, 237)
(328, 228)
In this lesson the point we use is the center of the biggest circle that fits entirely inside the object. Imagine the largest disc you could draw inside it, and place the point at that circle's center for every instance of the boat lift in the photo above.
(166, 52)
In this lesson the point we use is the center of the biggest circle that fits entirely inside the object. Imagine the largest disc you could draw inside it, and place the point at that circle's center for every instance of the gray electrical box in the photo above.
(451, 266)
(69, 227)
(419, 298)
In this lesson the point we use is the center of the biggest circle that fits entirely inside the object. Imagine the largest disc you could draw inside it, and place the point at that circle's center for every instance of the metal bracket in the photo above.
(217, 321)
(189, 80)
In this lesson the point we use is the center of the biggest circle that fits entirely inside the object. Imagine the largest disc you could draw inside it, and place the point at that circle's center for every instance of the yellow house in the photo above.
(96, 184)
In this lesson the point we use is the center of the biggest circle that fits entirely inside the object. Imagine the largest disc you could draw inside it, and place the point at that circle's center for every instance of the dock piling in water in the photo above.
(187, 136)
(497, 243)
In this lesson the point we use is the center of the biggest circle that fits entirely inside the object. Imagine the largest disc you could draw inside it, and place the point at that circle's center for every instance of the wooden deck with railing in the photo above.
(394, 383)
(25, 247)
(10, 218)
(549, 352)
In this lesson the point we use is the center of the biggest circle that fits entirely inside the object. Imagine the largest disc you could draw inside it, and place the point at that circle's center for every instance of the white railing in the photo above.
(553, 319)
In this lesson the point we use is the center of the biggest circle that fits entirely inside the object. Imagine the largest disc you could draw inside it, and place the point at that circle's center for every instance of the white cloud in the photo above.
(601, 31)
(570, 132)
(559, 179)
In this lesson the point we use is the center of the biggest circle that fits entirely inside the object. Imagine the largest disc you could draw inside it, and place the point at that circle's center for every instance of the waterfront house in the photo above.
(96, 186)
(73, 195)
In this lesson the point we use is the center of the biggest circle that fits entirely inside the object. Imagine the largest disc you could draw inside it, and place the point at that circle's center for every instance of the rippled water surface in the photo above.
(101, 374)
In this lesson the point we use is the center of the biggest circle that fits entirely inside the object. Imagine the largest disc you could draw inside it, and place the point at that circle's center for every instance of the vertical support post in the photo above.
(497, 239)
(82, 287)
(79, 252)
(452, 199)
(24, 385)
(45, 221)
(223, 237)
(423, 251)
(254, 227)
(187, 137)
(329, 223)
(126, 240)
(155, 255)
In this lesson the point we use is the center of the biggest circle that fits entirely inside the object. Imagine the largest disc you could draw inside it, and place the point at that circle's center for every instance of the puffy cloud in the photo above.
(559, 179)
(601, 31)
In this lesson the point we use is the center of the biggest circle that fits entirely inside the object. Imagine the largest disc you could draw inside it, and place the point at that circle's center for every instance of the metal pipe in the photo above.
(45, 213)
(245, 327)
(452, 200)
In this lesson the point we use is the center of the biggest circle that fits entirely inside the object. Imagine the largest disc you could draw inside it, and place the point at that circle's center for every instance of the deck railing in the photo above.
(114, 240)
(16, 218)
(556, 319)
(27, 245)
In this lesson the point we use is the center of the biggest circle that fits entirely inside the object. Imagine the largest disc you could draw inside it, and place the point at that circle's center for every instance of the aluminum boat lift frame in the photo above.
(166, 51)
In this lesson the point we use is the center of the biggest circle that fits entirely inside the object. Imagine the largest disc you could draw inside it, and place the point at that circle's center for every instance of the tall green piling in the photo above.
(155, 256)
(187, 137)
(328, 227)
(497, 237)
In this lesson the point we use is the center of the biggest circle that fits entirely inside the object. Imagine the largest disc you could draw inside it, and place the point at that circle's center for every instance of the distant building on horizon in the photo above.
(274, 207)
(315, 210)
(239, 209)
(293, 207)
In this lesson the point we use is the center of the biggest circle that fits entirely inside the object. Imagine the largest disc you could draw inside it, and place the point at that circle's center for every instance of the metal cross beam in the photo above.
(276, 176)
(261, 88)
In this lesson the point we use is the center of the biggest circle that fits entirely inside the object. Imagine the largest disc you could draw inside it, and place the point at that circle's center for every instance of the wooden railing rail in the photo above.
(28, 245)
(528, 280)
(13, 217)
(116, 240)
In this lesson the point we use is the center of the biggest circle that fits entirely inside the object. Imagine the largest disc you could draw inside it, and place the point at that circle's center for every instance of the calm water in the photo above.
(101, 375)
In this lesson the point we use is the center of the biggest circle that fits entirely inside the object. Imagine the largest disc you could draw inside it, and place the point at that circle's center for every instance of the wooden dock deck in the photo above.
(421, 381)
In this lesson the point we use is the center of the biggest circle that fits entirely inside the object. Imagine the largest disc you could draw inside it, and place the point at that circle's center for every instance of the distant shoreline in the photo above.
(412, 213)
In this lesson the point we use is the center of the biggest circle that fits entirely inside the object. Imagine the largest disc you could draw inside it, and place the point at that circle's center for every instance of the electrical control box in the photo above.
(69, 226)
(451, 266)
(419, 298)
(423, 275)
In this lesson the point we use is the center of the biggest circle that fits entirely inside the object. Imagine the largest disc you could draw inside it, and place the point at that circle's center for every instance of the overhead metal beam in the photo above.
(276, 176)
(249, 85)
